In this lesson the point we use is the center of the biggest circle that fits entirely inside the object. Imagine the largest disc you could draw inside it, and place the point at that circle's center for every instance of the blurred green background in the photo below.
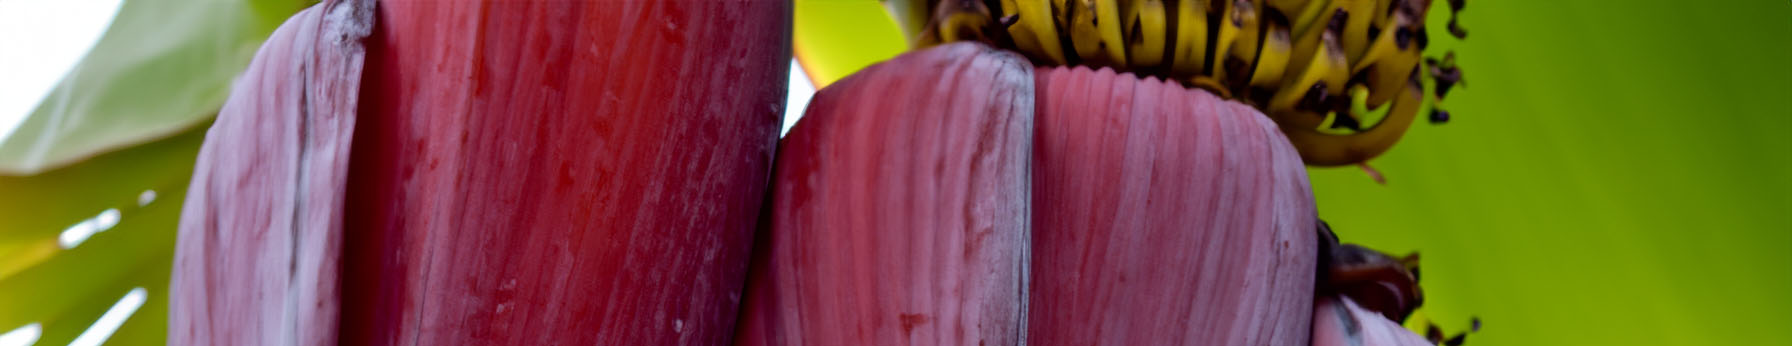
(1615, 172)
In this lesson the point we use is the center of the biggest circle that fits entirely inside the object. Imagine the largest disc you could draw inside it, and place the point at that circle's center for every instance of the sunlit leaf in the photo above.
(162, 66)
(834, 38)
(68, 289)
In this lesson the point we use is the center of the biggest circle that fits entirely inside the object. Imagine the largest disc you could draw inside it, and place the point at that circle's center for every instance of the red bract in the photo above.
(1158, 215)
(900, 209)
(1164, 216)
(261, 230)
(561, 172)
(522, 172)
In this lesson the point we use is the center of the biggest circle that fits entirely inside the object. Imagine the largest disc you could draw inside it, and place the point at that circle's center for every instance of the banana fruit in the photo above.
(1325, 70)
(1149, 33)
(1190, 57)
(1094, 25)
(1234, 65)
(1034, 30)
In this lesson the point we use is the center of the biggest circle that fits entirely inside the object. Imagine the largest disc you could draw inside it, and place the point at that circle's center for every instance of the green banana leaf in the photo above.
(66, 290)
(834, 38)
(161, 67)
(118, 136)
(1616, 173)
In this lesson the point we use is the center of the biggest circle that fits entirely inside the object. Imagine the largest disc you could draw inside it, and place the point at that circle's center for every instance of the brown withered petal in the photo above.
(1456, 340)
(1375, 280)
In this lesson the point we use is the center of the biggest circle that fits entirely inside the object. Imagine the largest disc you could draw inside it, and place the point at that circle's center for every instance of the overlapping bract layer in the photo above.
(1157, 214)
(900, 209)
(1165, 216)
(522, 172)
(260, 239)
